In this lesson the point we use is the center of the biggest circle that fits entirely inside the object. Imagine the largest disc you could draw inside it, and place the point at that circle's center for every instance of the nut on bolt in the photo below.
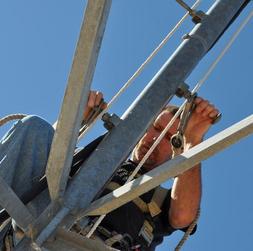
(183, 91)
(110, 121)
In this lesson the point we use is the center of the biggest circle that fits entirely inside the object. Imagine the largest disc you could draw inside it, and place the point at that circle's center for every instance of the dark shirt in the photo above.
(129, 218)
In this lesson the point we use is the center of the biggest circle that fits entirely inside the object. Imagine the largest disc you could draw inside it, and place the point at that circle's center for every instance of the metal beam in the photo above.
(120, 141)
(66, 240)
(14, 206)
(172, 168)
(76, 95)
(117, 145)
(24, 244)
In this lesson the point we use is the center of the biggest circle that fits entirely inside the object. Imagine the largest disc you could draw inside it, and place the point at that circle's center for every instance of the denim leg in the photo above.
(24, 152)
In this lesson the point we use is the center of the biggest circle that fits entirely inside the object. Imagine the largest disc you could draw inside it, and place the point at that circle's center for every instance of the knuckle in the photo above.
(98, 93)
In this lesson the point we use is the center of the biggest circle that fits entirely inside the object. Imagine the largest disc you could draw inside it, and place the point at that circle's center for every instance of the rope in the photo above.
(231, 41)
(141, 68)
(10, 117)
(198, 85)
(125, 86)
(188, 232)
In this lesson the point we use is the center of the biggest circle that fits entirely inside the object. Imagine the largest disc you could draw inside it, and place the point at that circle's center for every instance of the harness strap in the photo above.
(157, 200)
(154, 206)
(8, 239)
(137, 201)
(115, 238)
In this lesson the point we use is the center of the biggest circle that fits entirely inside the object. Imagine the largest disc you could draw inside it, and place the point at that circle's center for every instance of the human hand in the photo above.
(200, 121)
(95, 101)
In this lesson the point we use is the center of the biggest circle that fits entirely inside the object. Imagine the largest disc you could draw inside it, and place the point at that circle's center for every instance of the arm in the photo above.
(186, 189)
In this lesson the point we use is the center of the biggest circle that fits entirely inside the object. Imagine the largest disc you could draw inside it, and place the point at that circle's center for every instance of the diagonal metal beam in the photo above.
(117, 145)
(66, 240)
(120, 141)
(172, 168)
(76, 95)
(14, 206)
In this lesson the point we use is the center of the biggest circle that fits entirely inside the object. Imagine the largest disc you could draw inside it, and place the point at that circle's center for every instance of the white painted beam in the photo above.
(171, 168)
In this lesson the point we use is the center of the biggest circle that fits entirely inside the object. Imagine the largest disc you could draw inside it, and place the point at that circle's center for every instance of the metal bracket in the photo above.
(197, 16)
(183, 90)
(177, 140)
(111, 120)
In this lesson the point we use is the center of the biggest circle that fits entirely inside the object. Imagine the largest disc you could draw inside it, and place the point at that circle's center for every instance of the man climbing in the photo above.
(144, 228)
(138, 225)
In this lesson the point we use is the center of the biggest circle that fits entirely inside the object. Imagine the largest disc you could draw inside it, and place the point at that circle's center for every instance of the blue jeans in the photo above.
(24, 152)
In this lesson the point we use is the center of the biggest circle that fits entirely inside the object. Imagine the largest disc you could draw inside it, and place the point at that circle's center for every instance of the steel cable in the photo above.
(196, 88)
(140, 69)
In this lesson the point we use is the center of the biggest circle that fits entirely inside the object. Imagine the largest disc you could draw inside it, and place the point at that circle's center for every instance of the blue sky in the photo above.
(37, 44)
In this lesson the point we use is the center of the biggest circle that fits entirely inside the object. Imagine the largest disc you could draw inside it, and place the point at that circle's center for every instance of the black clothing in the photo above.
(129, 219)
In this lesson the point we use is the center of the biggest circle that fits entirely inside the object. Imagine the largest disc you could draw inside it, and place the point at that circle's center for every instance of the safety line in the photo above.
(11, 117)
(231, 41)
(188, 232)
(198, 85)
(140, 69)
(127, 84)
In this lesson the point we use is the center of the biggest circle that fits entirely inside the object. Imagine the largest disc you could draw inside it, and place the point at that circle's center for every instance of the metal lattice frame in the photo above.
(68, 206)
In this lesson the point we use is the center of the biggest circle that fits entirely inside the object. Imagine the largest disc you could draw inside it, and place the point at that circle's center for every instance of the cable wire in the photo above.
(126, 85)
(141, 68)
(198, 85)
(10, 117)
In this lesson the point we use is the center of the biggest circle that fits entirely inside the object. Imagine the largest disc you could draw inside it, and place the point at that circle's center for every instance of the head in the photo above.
(163, 151)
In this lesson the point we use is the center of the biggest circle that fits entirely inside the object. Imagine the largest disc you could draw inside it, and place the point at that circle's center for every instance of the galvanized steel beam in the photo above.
(172, 168)
(120, 141)
(14, 206)
(117, 145)
(66, 240)
(76, 95)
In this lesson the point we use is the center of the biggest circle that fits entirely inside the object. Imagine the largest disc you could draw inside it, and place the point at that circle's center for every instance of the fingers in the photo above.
(94, 99)
(205, 108)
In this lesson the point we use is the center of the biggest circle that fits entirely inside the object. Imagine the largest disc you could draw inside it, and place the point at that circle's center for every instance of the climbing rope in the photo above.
(141, 68)
(199, 84)
(10, 117)
(196, 88)
(163, 133)
(231, 41)
(125, 86)
(188, 232)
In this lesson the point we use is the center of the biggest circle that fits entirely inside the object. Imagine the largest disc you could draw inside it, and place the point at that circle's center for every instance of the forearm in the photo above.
(185, 196)
(186, 190)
